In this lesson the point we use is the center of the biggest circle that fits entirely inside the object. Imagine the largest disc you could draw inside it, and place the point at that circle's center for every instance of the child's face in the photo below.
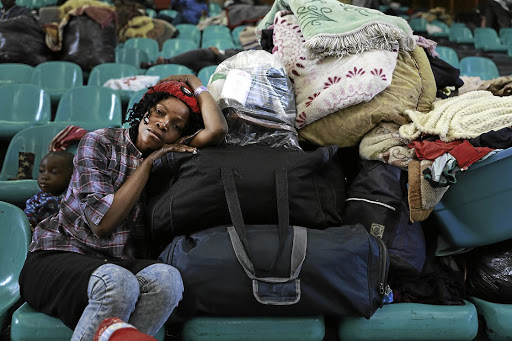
(54, 175)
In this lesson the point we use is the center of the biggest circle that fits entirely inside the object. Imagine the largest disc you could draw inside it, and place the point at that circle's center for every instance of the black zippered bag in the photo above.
(272, 270)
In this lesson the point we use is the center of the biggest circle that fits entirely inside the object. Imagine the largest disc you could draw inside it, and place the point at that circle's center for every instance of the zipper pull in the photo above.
(381, 288)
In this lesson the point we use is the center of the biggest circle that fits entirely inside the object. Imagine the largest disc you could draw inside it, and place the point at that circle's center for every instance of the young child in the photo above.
(55, 172)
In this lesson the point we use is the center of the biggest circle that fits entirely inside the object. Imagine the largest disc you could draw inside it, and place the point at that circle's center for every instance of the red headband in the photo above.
(179, 90)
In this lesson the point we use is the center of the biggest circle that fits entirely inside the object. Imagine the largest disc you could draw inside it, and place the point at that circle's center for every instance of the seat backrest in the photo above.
(91, 107)
(24, 103)
(15, 73)
(189, 31)
(221, 44)
(148, 45)
(150, 12)
(132, 56)
(169, 12)
(173, 47)
(449, 55)
(34, 140)
(214, 9)
(216, 32)
(14, 244)
(444, 28)
(101, 73)
(485, 32)
(205, 73)
(418, 24)
(474, 66)
(57, 75)
(164, 70)
(235, 34)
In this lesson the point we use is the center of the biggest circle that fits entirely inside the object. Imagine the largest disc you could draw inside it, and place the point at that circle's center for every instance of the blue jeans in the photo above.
(145, 300)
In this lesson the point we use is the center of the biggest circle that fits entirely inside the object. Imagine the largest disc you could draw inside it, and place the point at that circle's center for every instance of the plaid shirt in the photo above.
(104, 160)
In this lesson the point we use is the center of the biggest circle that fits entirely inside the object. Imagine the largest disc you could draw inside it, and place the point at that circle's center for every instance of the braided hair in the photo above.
(137, 112)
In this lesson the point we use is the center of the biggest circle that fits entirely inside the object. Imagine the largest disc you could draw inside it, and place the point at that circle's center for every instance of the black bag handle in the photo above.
(238, 234)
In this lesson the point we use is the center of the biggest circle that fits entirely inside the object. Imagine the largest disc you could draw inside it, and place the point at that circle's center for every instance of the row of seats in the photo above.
(470, 66)
(57, 77)
(399, 321)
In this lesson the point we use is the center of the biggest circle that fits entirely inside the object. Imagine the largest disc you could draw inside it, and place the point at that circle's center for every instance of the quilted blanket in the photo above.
(324, 86)
(334, 28)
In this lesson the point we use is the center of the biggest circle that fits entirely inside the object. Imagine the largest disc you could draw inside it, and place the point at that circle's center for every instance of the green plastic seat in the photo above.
(34, 140)
(90, 107)
(487, 39)
(30, 325)
(14, 245)
(418, 24)
(214, 9)
(189, 32)
(461, 35)
(15, 73)
(205, 73)
(23, 106)
(235, 35)
(254, 329)
(148, 45)
(220, 43)
(449, 55)
(216, 32)
(498, 317)
(131, 56)
(169, 12)
(57, 77)
(413, 321)
(176, 46)
(101, 73)
(442, 29)
(165, 70)
(150, 12)
(474, 66)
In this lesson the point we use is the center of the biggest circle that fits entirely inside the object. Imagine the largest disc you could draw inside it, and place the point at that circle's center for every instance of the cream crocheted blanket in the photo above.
(461, 117)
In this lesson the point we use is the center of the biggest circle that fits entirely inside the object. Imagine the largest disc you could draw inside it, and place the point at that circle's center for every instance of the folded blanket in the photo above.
(323, 86)
(461, 117)
(132, 83)
(331, 28)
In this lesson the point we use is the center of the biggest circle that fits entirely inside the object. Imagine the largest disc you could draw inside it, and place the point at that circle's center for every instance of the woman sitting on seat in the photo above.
(85, 263)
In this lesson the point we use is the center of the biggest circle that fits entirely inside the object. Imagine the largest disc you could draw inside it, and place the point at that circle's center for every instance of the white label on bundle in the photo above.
(237, 86)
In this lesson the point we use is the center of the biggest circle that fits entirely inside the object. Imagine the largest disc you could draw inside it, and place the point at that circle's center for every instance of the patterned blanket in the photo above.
(334, 28)
(323, 86)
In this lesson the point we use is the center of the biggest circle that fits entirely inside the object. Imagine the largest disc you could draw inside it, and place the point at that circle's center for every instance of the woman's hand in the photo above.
(190, 80)
(166, 148)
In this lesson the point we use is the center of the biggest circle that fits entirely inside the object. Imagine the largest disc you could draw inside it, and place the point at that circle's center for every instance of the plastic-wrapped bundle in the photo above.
(489, 273)
(22, 41)
(257, 98)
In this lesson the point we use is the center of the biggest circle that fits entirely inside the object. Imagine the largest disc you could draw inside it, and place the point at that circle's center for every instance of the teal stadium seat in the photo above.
(30, 325)
(169, 12)
(475, 66)
(214, 9)
(150, 12)
(90, 107)
(449, 55)
(15, 73)
(254, 329)
(14, 243)
(497, 319)
(101, 73)
(34, 140)
(176, 46)
(57, 77)
(205, 73)
(235, 35)
(148, 45)
(23, 106)
(461, 35)
(441, 29)
(216, 32)
(413, 321)
(221, 43)
(476, 210)
(189, 32)
(487, 39)
(165, 70)
(418, 24)
(132, 56)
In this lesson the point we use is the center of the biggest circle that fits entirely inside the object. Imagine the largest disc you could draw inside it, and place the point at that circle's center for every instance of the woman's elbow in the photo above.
(219, 134)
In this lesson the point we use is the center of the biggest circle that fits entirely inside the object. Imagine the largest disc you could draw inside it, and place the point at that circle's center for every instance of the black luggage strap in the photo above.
(238, 234)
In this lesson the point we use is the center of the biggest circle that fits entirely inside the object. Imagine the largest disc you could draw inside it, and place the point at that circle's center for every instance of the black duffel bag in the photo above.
(275, 270)
(185, 192)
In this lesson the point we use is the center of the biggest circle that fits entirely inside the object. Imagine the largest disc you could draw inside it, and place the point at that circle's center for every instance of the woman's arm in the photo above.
(215, 125)
(128, 194)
